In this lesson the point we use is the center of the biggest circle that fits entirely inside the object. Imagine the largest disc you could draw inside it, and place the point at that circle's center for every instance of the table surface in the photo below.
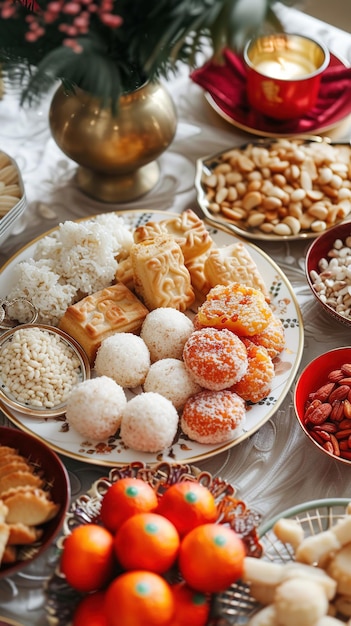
(275, 468)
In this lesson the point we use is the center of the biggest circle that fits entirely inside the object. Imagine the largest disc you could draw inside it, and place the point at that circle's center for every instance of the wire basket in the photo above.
(236, 605)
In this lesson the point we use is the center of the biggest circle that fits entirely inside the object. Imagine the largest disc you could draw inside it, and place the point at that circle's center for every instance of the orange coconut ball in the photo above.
(237, 307)
(215, 358)
(256, 383)
(213, 416)
(272, 337)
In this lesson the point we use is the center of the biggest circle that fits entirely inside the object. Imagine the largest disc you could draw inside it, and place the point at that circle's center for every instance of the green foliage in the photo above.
(155, 36)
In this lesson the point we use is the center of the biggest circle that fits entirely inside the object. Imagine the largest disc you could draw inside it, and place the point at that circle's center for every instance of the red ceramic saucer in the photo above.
(333, 105)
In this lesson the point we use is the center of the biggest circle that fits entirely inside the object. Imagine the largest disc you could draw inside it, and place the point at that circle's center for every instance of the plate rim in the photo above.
(197, 457)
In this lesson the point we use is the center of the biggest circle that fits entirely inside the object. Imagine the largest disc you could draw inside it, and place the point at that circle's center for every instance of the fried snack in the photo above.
(160, 276)
(237, 307)
(256, 382)
(212, 417)
(234, 263)
(272, 337)
(215, 358)
(95, 317)
(30, 504)
(19, 478)
(24, 503)
(188, 230)
(22, 534)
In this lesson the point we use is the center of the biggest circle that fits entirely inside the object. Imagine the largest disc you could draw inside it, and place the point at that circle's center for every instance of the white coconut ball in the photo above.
(149, 422)
(94, 407)
(124, 357)
(171, 379)
(165, 331)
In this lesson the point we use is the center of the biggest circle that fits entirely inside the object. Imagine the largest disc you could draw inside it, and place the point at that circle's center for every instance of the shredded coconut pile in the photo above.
(77, 259)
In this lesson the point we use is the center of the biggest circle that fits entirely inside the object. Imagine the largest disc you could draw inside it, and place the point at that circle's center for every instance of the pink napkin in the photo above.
(226, 83)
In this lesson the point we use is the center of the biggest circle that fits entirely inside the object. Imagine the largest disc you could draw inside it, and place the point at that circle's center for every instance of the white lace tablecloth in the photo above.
(277, 467)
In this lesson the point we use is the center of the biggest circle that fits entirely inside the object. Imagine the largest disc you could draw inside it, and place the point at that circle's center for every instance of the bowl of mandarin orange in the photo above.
(151, 546)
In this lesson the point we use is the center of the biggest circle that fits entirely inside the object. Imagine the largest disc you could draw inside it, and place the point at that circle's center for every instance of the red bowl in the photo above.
(55, 476)
(311, 379)
(318, 250)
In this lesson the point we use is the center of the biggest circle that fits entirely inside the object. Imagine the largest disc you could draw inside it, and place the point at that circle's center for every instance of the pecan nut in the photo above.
(320, 413)
(322, 393)
(346, 369)
(340, 393)
(336, 375)
(337, 412)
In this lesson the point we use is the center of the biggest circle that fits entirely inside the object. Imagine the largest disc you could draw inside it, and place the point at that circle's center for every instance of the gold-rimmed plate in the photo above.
(60, 437)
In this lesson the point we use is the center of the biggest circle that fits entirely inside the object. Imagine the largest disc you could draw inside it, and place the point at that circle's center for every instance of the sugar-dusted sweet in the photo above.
(256, 383)
(216, 358)
(237, 307)
(212, 417)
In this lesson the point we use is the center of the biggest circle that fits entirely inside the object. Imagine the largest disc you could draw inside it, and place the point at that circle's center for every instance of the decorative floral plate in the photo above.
(112, 452)
(62, 599)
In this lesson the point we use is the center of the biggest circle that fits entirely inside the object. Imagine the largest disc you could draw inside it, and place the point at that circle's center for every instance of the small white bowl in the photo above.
(12, 402)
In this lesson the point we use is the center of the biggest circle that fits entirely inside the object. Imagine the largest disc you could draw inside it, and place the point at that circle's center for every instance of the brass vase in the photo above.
(116, 154)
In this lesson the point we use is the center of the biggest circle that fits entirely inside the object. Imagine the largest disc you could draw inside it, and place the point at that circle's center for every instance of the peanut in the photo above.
(293, 175)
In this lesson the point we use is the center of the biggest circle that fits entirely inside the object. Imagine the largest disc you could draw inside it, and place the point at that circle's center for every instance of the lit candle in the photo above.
(285, 68)
(284, 73)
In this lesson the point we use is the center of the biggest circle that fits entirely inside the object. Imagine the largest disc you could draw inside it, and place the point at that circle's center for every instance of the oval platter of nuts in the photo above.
(277, 188)
(193, 337)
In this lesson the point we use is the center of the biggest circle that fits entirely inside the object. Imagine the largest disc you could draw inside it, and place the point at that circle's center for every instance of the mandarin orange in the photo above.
(191, 607)
(211, 557)
(139, 598)
(91, 610)
(88, 558)
(188, 504)
(147, 541)
(124, 498)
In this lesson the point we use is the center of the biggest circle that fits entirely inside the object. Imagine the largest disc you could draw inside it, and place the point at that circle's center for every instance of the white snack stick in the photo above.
(263, 593)
(340, 569)
(264, 617)
(259, 571)
(300, 602)
(315, 549)
(310, 572)
(342, 530)
(289, 531)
